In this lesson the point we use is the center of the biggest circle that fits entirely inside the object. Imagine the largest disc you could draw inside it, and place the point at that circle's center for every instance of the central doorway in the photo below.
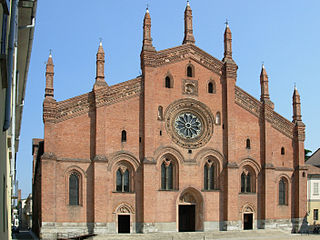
(123, 223)
(247, 221)
(187, 218)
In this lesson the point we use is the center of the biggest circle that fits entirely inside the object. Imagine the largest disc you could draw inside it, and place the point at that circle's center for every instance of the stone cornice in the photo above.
(254, 106)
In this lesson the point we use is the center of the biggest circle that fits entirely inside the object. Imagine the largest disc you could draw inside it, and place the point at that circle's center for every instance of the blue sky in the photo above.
(282, 34)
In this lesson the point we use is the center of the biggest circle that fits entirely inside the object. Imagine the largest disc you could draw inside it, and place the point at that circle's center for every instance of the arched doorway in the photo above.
(190, 211)
(124, 218)
(248, 218)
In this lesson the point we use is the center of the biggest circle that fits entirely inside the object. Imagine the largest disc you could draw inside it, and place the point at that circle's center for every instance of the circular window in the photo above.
(189, 123)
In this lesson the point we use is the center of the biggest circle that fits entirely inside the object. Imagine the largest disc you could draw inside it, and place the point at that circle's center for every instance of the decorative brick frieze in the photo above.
(188, 51)
(283, 125)
(248, 102)
(82, 104)
(254, 106)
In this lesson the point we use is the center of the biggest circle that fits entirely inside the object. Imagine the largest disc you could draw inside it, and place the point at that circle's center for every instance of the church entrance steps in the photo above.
(223, 235)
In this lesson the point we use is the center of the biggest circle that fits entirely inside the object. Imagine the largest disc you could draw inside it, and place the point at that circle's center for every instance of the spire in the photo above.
(188, 29)
(227, 42)
(49, 77)
(296, 106)
(100, 80)
(147, 40)
(264, 85)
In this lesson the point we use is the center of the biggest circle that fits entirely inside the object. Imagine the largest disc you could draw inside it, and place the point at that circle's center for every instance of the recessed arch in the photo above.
(161, 151)
(123, 155)
(191, 197)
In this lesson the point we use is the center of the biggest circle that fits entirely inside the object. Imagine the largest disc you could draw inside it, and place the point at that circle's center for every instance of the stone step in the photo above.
(245, 235)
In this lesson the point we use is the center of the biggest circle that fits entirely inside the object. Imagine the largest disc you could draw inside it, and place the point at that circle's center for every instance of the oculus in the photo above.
(188, 125)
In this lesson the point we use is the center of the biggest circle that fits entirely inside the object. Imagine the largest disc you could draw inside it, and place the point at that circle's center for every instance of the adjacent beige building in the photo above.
(314, 190)
(17, 30)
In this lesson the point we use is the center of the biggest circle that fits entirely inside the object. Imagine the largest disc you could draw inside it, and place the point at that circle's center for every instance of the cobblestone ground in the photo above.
(260, 234)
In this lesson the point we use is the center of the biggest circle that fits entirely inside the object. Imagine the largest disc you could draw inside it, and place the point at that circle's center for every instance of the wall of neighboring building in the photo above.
(5, 183)
(313, 199)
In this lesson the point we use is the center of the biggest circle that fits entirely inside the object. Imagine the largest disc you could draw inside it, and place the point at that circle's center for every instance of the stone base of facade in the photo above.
(66, 230)
(51, 230)
(158, 227)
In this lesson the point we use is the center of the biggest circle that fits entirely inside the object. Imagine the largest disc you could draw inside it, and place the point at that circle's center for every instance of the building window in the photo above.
(248, 144)
(283, 191)
(168, 82)
(315, 188)
(190, 71)
(160, 113)
(167, 174)
(315, 214)
(74, 189)
(123, 136)
(247, 181)
(210, 175)
(282, 151)
(218, 118)
(123, 180)
(210, 87)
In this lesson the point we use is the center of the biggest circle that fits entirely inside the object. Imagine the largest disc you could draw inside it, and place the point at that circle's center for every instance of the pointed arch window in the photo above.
(74, 189)
(283, 191)
(168, 175)
(190, 71)
(168, 82)
(282, 151)
(247, 181)
(248, 144)
(211, 87)
(123, 136)
(122, 180)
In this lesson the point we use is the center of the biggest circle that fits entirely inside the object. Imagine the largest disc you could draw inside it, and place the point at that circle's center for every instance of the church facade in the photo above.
(179, 148)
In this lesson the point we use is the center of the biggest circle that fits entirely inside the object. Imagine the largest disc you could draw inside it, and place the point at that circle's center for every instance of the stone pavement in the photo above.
(26, 235)
(244, 235)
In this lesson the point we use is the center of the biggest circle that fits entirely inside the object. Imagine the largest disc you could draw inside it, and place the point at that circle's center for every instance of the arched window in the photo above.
(167, 175)
(243, 182)
(168, 82)
(247, 181)
(218, 118)
(123, 180)
(248, 144)
(283, 191)
(123, 136)
(210, 87)
(160, 113)
(74, 189)
(282, 151)
(189, 71)
(209, 176)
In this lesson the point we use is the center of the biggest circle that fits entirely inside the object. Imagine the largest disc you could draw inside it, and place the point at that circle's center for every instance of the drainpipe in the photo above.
(12, 33)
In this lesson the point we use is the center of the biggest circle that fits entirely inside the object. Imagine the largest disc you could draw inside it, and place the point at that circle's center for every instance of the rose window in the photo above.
(188, 125)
